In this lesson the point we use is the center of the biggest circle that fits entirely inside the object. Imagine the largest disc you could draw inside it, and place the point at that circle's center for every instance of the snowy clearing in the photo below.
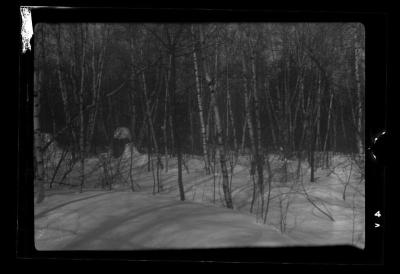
(300, 213)
(125, 220)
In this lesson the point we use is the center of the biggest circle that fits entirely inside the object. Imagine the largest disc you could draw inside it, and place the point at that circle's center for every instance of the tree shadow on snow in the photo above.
(43, 213)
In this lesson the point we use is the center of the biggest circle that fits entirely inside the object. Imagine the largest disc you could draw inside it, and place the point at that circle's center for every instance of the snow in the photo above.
(122, 219)
(131, 220)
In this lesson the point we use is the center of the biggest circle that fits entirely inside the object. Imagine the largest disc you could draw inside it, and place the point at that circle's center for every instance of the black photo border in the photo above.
(377, 37)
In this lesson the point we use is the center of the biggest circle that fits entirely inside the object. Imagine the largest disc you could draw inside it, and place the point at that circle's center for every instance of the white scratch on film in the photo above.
(26, 28)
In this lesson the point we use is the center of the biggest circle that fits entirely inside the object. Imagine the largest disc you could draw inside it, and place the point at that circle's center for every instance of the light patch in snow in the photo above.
(126, 220)
(289, 208)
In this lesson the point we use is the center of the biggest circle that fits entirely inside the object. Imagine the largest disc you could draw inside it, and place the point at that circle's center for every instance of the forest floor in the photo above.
(300, 212)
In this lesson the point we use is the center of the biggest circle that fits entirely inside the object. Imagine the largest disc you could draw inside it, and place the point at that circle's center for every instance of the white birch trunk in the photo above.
(200, 104)
(221, 148)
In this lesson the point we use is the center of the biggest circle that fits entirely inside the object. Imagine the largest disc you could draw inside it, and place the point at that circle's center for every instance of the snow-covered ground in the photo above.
(125, 220)
(300, 212)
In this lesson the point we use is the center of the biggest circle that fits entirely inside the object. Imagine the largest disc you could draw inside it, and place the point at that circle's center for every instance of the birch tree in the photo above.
(200, 103)
(221, 147)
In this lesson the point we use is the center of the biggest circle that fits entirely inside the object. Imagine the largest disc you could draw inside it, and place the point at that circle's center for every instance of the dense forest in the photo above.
(212, 90)
(171, 135)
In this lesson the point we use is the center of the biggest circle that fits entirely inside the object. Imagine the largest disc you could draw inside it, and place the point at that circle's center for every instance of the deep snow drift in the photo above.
(125, 220)
(327, 212)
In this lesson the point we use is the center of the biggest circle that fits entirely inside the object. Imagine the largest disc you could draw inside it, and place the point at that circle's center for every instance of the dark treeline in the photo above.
(304, 75)
(188, 88)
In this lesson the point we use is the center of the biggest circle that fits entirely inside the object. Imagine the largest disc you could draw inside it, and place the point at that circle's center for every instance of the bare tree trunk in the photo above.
(300, 87)
(149, 152)
(132, 93)
(176, 134)
(318, 117)
(221, 148)
(287, 113)
(63, 155)
(230, 114)
(200, 104)
(357, 53)
(179, 155)
(305, 110)
(63, 89)
(342, 122)
(191, 123)
(133, 135)
(270, 110)
(328, 126)
(335, 130)
(209, 129)
(270, 176)
(259, 155)
(249, 123)
(314, 129)
(81, 108)
(171, 126)
(243, 134)
(249, 119)
(133, 115)
(39, 174)
(219, 131)
(151, 128)
(165, 122)
(97, 73)
(312, 154)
